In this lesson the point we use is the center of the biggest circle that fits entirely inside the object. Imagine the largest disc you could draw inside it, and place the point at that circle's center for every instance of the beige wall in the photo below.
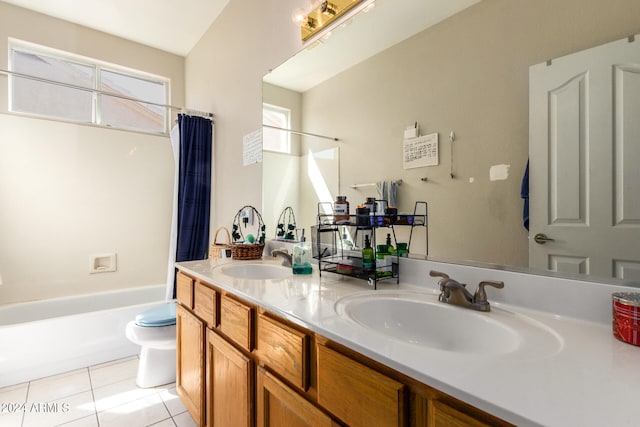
(469, 74)
(224, 74)
(69, 191)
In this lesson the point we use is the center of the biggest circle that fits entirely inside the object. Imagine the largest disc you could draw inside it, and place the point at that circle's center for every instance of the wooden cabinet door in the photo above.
(229, 384)
(357, 394)
(190, 362)
(280, 406)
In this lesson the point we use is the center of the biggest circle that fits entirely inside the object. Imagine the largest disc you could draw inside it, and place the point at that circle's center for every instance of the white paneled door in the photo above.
(584, 153)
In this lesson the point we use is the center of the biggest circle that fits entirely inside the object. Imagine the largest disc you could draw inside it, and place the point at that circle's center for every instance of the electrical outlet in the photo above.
(247, 216)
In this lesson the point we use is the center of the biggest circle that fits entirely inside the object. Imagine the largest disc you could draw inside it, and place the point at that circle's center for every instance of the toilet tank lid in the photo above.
(164, 315)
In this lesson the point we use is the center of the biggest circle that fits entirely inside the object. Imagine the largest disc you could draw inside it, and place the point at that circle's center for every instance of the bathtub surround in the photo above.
(57, 335)
(70, 191)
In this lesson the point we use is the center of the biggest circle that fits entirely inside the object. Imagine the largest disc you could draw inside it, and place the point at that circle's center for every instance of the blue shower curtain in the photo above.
(194, 187)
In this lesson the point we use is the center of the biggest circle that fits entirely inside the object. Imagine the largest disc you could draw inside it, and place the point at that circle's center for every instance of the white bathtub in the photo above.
(52, 336)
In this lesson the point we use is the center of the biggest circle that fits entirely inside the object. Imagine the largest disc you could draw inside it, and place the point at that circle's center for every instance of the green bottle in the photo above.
(368, 260)
(389, 246)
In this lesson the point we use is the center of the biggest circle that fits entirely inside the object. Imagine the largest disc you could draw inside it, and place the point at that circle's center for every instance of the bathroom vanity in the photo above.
(293, 350)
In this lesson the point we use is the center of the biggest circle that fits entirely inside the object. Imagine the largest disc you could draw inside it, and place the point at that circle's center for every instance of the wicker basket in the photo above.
(216, 249)
(246, 251)
(250, 251)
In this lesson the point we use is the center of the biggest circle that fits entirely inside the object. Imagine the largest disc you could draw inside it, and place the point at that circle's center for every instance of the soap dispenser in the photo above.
(368, 258)
(302, 257)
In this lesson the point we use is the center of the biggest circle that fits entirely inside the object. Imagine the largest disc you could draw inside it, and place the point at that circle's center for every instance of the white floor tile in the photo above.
(90, 421)
(139, 413)
(104, 395)
(106, 374)
(184, 420)
(14, 394)
(119, 393)
(164, 423)
(113, 362)
(58, 386)
(172, 401)
(60, 411)
(11, 419)
(12, 399)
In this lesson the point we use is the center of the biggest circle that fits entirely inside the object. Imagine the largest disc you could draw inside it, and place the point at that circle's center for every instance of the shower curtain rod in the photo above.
(301, 133)
(104, 92)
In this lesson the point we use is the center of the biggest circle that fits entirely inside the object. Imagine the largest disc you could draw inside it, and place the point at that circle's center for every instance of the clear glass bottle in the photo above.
(301, 259)
(368, 259)
(341, 209)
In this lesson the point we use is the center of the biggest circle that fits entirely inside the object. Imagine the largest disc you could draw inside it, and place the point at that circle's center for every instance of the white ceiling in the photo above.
(170, 25)
(176, 26)
(388, 23)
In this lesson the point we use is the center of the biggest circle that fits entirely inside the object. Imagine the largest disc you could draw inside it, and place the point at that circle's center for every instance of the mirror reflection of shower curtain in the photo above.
(192, 193)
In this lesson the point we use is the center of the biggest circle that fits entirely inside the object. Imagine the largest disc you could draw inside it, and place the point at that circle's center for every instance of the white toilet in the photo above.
(155, 331)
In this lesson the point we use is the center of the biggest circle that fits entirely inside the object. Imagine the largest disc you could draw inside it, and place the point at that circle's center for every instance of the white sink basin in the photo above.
(419, 319)
(256, 271)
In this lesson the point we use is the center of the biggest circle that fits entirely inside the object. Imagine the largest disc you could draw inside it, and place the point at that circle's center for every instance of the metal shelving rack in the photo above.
(335, 258)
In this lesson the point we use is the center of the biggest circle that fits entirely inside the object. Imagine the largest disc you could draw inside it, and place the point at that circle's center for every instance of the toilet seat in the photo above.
(165, 315)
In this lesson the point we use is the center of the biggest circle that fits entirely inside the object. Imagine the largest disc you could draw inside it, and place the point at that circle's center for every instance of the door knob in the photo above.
(542, 238)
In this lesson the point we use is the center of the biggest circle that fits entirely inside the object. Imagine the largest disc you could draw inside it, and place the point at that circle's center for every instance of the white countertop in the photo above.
(591, 379)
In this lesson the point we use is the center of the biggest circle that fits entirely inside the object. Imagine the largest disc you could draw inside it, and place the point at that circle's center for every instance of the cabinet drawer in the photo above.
(204, 301)
(184, 289)
(357, 394)
(443, 415)
(235, 321)
(283, 349)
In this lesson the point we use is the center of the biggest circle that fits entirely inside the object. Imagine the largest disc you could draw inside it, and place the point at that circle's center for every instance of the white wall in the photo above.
(68, 191)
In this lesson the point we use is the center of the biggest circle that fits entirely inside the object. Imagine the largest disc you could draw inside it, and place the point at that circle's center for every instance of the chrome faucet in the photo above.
(286, 256)
(456, 293)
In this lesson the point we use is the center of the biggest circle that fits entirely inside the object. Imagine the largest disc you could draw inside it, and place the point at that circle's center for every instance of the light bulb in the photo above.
(298, 16)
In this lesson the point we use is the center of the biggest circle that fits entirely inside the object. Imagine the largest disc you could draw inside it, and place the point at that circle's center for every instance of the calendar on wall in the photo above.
(420, 151)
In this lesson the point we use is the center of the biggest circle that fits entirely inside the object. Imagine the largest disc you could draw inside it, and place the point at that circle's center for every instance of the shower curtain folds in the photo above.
(194, 188)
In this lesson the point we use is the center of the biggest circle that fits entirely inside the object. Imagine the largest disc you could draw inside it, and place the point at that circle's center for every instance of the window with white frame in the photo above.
(86, 90)
(274, 139)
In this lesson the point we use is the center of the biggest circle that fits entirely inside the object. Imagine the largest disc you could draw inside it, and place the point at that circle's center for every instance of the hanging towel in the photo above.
(388, 191)
(524, 194)
(383, 190)
(392, 188)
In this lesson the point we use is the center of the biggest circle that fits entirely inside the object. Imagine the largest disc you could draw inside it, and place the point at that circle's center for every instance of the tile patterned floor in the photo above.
(98, 396)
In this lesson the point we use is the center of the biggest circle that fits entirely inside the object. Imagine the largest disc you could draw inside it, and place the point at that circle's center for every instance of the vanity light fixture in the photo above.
(322, 14)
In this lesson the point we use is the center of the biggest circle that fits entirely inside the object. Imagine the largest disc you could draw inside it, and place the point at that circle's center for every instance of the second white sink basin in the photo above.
(256, 271)
(420, 319)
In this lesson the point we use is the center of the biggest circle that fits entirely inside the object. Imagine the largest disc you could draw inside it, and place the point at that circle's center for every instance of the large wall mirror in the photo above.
(456, 68)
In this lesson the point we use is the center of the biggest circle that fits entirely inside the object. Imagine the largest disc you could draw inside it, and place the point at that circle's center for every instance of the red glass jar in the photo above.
(626, 316)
